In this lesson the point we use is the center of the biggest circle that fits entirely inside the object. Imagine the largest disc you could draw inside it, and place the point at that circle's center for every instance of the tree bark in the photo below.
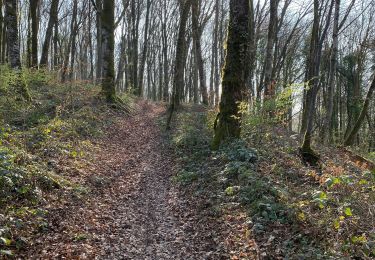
(252, 52)
(269, 86)
(313, 67)
(53, 17)
(164, 36)
(350, 139)
(1, 31)
(145, 48)
(135, 17)
(34, 6)
(108, 48)
(198, 50)
(215, 46)
(56, 55)
(312, 82)
(178, 77)
(71, 42)
(328, 123)
(99, 51)
(228, 121)
(13, 46)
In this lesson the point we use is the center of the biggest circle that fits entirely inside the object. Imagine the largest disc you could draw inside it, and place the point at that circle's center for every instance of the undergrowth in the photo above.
(295, 212)
(37, 140)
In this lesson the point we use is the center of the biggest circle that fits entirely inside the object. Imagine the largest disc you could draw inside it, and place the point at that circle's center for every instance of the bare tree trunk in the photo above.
(56, 56)
(354, 131)
(269, 85)
(178, 77)
(328, 126)
(198, 51)
(135, 17)
(252, 51)
(91, 51)
(70, 43)
(228, 122)
(108, 48)
(145, 48)
(164, 36)
(34, 6)
(312, 85)
(53, 16)
(215, 65)
(121, 62)
(4, 43)
(313, 67)
(99, 51)
(73, 42)
(195, 79)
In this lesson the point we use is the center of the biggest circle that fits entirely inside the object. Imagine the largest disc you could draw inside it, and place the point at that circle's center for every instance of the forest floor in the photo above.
(136, 212)
(93, 182)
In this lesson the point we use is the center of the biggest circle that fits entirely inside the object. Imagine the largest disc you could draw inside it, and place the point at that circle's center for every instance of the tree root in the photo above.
(310, 158)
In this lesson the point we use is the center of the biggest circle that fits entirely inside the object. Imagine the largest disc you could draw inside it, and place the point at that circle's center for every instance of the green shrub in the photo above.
(185, 177)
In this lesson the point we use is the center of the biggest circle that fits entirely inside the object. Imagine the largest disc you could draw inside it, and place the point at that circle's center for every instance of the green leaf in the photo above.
(6, 241)
(336, 224)
(323, 195)
(229, 191)
(6, 252)
(74, 154)
(359, 239)
(348, 212)
(330, 182)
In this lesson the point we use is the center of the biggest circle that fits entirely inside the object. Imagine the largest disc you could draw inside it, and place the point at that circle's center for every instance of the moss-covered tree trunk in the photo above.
(228, 122)
(13, 46)
(1, 30)
(108, 48)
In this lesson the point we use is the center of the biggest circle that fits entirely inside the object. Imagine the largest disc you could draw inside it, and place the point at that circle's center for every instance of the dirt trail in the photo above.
(140, 214)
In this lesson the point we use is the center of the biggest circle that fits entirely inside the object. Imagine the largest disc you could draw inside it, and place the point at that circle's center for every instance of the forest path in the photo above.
(139, 214)
(146, 223)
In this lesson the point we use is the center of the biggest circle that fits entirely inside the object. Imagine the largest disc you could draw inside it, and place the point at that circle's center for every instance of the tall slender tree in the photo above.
(327, 129)
(198, 50)
(145, 48)
(312, 73)
(178, 77)
(269, 86)
(53, 17)
(34, 7)
(354, 131)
